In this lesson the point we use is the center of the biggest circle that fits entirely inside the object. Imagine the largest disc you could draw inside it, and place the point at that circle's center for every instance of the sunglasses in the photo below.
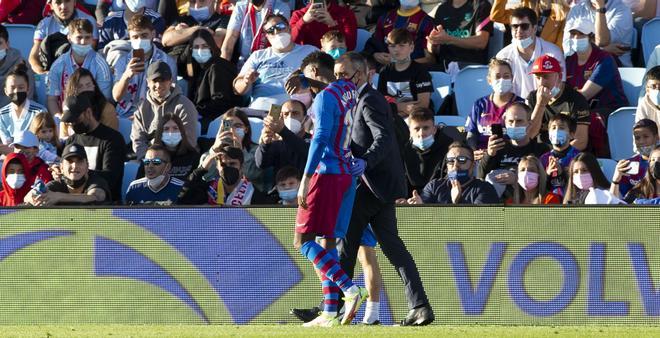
(154, 161)
(523, 26)
(280, 26)
(460, 159)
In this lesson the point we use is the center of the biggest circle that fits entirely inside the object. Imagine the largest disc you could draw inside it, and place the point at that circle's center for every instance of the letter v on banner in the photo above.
(474, 299)
(650, 295)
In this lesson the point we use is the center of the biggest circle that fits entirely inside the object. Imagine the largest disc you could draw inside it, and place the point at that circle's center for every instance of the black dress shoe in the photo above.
(306, 315)
(375, 322)
(419, 316)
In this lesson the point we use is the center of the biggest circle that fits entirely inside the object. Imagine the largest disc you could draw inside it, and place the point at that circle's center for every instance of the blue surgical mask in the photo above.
(337, 52)
(134, 5)
(240, 132)
(501, 86)
(524, 43)
(654, 95)
(81, 50)
(461, 175)
(144, 44)
(581, 45)
(516, 133)
(288, 195)
(201, 55)
(199, 14)
(172, 139)
(423, 143)
(558, 137)
(554, 91)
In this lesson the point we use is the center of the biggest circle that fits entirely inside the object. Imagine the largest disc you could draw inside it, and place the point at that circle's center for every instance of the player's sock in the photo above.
(330, 296)
(371, 312)
(328, 266)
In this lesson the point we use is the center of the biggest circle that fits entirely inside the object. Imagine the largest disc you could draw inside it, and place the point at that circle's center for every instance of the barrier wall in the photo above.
(487, 265)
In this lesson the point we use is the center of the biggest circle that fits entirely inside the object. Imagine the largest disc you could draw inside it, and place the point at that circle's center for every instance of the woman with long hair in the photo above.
(82, 81)
(532, 187)
(649, 187)
(584, 174)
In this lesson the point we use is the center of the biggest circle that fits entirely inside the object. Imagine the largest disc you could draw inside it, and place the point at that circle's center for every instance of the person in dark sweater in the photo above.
(104, 146)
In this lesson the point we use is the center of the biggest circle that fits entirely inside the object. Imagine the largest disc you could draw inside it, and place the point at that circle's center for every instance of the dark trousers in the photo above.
(382, 216)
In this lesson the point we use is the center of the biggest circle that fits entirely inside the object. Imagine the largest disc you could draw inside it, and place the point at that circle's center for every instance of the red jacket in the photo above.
(39, 169)
(311, 33)
(11, 197)
(21, 11)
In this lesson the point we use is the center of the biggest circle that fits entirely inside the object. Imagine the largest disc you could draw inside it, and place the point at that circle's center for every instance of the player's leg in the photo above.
(372, 276)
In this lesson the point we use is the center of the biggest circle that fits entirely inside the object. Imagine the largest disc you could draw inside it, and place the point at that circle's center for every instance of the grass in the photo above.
(297, 331)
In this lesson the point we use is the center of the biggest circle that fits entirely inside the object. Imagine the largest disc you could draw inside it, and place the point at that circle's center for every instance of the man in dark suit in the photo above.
(382, 181)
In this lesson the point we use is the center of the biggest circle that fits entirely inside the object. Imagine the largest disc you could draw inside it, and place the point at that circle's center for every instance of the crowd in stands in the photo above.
(184, 94)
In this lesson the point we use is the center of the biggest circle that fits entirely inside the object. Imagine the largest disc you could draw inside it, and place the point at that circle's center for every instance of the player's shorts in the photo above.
(368, 237)
(325, 204)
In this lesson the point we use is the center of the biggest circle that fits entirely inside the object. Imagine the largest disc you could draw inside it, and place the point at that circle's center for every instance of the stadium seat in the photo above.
(441, 88)
(182, 84)
(496, 41)
(619, 132)
(650, 37)
(199, 129)
(608, 166)
(130, 173)
(214, 126)
(450, 120)
(362, 36)
(21, 37)
(632, 79)
(470, 85)
(125, 126)
(256, 125)
(41, 88)
(375, 81)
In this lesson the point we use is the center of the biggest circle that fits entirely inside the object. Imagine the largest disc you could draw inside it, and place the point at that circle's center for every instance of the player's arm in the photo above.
(324, 117)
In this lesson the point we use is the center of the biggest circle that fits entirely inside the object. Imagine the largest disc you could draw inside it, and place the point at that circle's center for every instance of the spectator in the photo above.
(158, 187)
(287, 182)
(210, 79)
(310, 23)
(229, 186)
(532, 184)
(554, 97)
(16, 180)
(649, 106)
(593, 72)
(183, 156)
(161, 97)
(82, 54)
(52, 31)
(409, 16)
(404, 80)
(245, 28)
(285, 142)
(424, 152)
(500, 162)
(551, 17)
(115, 26)
(489, 109)
(526, 47)
(27, 144)
(461, 33)
(334, 44)
(130, 84)
(104, 146)
(612, 24)
(647, 191)
(77, 184)
(82, 81)
(264, 73)
(460, 186)
(43, 126)
(631, 171)
(584, 174)
(201, 15)
(16, 116)
(561, 130)
(9, 59)
(21, 11)
(105, 7)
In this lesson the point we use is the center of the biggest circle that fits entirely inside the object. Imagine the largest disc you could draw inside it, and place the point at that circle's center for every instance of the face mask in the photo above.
(516, 133)
(172, 139)
(240, 132)
(558, 137)
(199, 14)
(155, 182)
(80, 128)
(143, 44)
(408, 4)
(501, 86)
(15, 181)
(581, 45)
(423, 143)
(288, 195)
(81, 50)
(134, 5)
(337, 52)
(528, 180)
(305, 98)
(75, 184)
(229, 175)
(461, 176)
(655, 171)
(201, 55)
(280, 41)
(3, 54)
(404, 60)
(654, 95)
(524, 43)
(554, 91)
(293, 125)
(645, 150)
(18, 98)
(583, 181)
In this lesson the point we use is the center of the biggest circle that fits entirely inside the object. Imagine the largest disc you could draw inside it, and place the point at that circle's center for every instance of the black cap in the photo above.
(159, 69)
(74, 150)
(74, 106)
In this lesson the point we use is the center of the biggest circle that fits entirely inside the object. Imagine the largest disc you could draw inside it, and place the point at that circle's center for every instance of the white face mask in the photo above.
(501, 86)
(408, 4)
(654, 95)
(172, 139)
(580, 45)
(15, 181)
(524, 43)
(134, 5)
(201, 55)
(293, 125)
(280, 41)
(143, 44)
(153, 183)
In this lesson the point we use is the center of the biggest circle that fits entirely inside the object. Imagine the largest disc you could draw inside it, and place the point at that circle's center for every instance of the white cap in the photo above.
(600, 196)
(26, 139)
(584, 26)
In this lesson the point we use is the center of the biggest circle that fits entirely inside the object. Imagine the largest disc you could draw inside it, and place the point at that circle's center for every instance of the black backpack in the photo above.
(51, 48)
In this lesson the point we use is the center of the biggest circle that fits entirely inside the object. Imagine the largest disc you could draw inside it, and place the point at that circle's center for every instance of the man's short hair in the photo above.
(139, 22)
(648, 124)
(653, 74)
(333, 35)
(495, 62)
(287, 172)
(320, 60)
(525, 12)
(400, 35)
(358, 61)
(572, 126)
(4, 34)
(460, 145)
(421, 114)
(80, 25)
(276, 15)
(162, 149)
(299, 103)
(523, 106)
(233, 153)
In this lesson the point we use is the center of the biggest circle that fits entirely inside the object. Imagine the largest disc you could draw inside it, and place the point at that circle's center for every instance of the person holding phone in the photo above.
(631, 171)
(647, 191)
(308, 24)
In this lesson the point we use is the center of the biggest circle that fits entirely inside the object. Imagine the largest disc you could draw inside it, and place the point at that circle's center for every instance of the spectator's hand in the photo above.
(554, 167)
(508, 178)
(303, 191)
(543, 96)
(456, 191)
(494, 145)
(617, 49)
(405, 108)
(135, 66)
(6, 149)
(181, 26)
(438, 36)
(208, 160)
(622, 168)
(401, 201)
(45, 199)
(272, 124)
(598, 3)
(268, 137)
(358, 166)
(55, 171)
(478, 154)
(383, 58)
(322, 15)
(415, 199)
(309, 15)
(225, 135)
(250, 77)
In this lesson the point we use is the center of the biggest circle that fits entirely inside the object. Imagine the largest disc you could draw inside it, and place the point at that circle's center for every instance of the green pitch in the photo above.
(297, 331)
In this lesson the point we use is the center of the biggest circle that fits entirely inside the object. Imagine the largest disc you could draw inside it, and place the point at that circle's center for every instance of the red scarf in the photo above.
(259, 41)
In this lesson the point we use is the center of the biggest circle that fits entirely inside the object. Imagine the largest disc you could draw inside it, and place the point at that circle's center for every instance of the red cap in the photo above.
(546, 64)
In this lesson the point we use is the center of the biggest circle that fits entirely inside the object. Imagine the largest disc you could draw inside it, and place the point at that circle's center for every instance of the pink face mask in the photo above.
(583, 181)
(528, 180)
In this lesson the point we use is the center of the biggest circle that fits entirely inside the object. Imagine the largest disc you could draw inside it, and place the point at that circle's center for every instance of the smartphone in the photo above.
(634, 168)
(226, 125)
(318, 4)
(275, 111)
(496, 129)
(139, 54)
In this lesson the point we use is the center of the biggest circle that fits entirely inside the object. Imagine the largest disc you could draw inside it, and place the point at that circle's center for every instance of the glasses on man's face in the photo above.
(278, 27)
(155, 161)
(523, 26)
(459, 159)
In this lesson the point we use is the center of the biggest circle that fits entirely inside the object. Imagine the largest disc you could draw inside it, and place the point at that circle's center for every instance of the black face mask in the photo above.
(80, 128)
(257, 2)
(75, 184)
(18, 98)
(230, 175)
(655, 170)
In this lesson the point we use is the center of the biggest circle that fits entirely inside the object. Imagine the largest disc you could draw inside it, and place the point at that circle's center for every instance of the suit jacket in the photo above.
(373, 140)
